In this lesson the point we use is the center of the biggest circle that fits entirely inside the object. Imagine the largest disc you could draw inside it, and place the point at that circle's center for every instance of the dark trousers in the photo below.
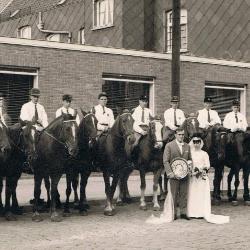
(179, 193)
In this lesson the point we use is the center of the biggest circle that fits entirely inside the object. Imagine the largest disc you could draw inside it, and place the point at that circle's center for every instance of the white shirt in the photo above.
(203, 118)
(137, 116)
(70, 111)
(2, 117)
(180, 144)
(169, 118)
(104, 116)
(28, 112)
(230, 122)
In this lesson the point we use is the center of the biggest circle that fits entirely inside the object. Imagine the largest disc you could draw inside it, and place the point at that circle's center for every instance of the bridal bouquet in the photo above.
(200, 173)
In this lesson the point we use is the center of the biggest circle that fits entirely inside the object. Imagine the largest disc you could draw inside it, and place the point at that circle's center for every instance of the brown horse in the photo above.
(111, 156)
(57, 143)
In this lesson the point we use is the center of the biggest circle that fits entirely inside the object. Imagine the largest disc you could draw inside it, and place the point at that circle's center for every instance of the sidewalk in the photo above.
(95, 188)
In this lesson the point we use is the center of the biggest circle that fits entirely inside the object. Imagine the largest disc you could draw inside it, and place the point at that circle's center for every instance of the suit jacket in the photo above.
(172, 151)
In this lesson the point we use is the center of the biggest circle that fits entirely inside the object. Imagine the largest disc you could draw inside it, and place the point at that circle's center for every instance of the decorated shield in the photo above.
(179, 167)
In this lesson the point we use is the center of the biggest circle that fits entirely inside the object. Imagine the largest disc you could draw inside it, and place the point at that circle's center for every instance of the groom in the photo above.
(174, 149)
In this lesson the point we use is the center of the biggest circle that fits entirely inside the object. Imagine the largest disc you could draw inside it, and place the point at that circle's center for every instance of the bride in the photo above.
(198, 199)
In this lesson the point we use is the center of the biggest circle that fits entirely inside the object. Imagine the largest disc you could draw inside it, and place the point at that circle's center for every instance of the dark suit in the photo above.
(178, 187)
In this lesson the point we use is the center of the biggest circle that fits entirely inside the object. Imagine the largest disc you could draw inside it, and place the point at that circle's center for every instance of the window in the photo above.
(81, 36)
(103, 11)
(53, 37)
(24, 32)
(183, 24)
(124, 92)
(223, 94)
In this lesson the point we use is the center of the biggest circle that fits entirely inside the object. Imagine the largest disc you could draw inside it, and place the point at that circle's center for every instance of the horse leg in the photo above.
(75, 183)
(165, 183)
(216, 182)
(68, 192)
(55, 217)
(108, 208)
(229, 181)
(127, 197)
(236, 185)
(83, 205)
(113, 187)
(15, 207)
(1, 202)
(47, 186)
(246, 189)
(8, 191)
(143, 205)
(37, 192)
(157, 175)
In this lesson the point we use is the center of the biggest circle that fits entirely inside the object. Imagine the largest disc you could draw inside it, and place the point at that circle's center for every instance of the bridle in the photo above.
(153, 122)
(126, 135)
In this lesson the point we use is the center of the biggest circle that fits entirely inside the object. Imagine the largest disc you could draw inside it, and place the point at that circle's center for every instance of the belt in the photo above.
(104, 124)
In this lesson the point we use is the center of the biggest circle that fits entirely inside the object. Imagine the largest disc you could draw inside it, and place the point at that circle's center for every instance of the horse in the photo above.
(235, 160)
(87, 143)
(111, 157)
(148, 157)
(56, 144)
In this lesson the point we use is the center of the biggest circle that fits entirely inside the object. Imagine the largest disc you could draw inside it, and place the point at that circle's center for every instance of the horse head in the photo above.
(4, 142)
(190, 127)
(155, 133)
(88, 130)
(123, 127)
(219, 143)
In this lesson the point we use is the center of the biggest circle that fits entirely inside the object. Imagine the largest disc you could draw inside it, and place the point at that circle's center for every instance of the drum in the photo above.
(180, 168)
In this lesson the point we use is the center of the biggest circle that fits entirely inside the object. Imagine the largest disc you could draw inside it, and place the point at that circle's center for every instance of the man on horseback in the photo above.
(2, 118)
(66, 109)
(34, 112)
(173, 118)
(142, 116)
(235, 121)
(207, 117)
(104, 115)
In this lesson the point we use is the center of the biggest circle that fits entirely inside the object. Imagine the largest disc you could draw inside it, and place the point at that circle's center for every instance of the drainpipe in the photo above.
(40, 26)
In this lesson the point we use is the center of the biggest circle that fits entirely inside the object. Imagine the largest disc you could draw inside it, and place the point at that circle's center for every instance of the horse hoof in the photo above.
(109, 213)
(86, 206)
(10, 217)
(56, 218)
(143, 207)
(119, 203)
(83, 212)
(156, 208)
(247, 203)
(36, 217)
(235, 203)
(76, 205)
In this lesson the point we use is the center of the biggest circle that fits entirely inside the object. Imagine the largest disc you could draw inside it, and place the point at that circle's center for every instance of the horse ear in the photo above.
(83, 112)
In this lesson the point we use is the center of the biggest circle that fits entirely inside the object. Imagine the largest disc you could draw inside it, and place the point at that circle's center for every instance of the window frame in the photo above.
(169, 24)
(20, 32)
(81, 36)
(107, 14)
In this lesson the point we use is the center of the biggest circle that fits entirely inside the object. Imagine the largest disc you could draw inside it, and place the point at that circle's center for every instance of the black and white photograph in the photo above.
(124, 124)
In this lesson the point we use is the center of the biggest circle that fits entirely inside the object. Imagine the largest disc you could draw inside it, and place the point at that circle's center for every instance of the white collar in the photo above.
(179, 143)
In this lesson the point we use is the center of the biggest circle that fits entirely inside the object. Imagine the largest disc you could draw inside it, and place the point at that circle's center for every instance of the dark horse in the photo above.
(236, 158)
(111, 155)
(56, 144)
(84, 164)
(147, 157)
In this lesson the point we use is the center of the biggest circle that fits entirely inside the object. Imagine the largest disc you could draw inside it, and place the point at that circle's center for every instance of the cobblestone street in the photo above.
(127, 229)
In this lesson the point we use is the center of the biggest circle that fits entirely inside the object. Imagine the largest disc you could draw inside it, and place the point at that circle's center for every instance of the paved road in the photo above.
(126, 230)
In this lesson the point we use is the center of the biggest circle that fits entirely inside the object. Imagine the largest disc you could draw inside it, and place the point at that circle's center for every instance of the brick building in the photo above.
(123, 47)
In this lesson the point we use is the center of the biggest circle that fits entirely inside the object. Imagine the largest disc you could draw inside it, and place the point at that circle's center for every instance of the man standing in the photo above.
(234, 120)
(207, 117)
(34, 112)
(104, 115)
(66, 109)
(173, 118)
(174, 149)
(142, 116)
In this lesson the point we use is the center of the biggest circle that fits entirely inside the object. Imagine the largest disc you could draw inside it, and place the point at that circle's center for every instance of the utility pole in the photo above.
(176, 45)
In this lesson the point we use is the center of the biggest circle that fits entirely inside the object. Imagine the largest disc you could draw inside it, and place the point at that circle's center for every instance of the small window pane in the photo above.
(25, 32)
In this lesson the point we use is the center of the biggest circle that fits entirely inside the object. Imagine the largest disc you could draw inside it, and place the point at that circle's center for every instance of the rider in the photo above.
(2, 115)
(142, 116)
(234, 120)
(34, 112)
(104, 115)
(173, 118)
(67, 99)
(207, 117)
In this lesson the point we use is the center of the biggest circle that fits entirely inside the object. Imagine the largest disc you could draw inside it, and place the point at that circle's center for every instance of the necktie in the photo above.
(236, 118)
(175, 120)
(142, 116)
(67, 110)
(103, 109)
(208, 116)
(36, 113)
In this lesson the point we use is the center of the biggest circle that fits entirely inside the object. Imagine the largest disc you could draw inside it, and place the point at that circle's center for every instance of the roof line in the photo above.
(6, 6)
(116, 51)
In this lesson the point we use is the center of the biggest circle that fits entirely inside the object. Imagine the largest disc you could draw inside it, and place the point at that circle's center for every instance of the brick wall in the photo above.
(79, 73)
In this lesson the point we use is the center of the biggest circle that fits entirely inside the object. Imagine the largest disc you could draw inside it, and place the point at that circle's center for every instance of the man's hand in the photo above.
(171, 175)
(143, 132)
